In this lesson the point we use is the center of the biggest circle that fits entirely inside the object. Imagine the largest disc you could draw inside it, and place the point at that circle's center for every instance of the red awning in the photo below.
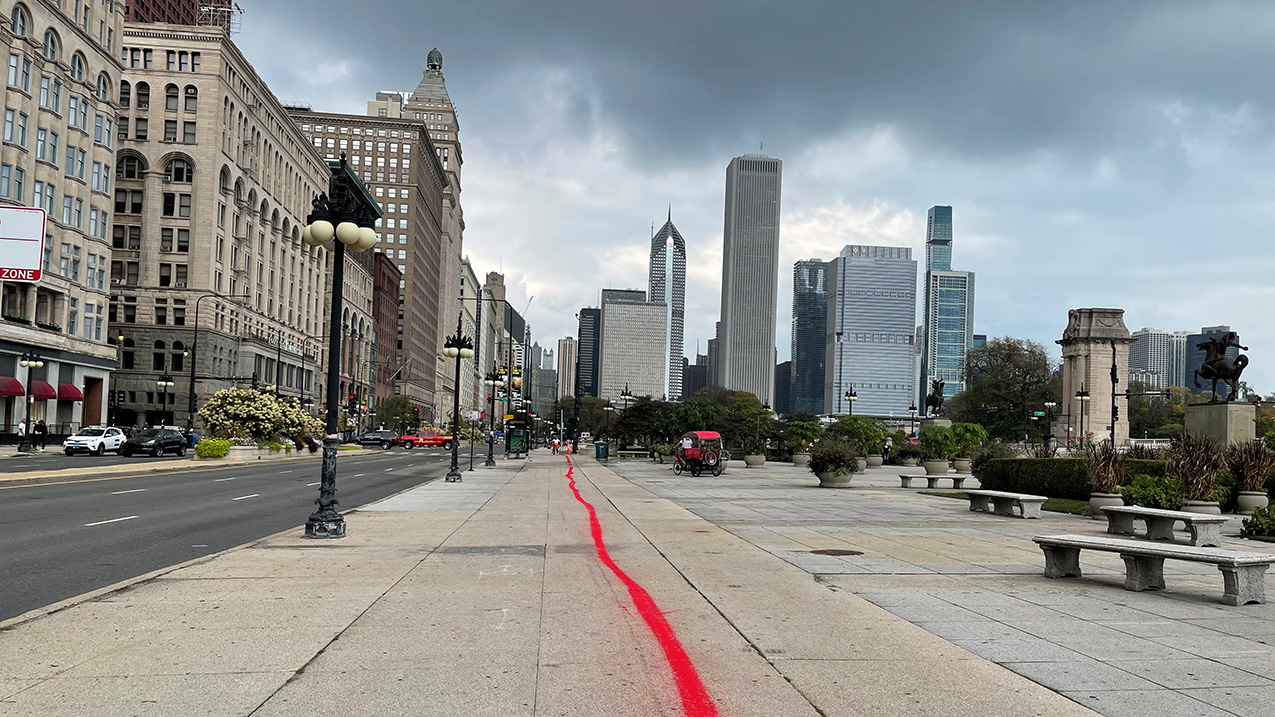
(67, 392)
(11, 387)
(41, 389)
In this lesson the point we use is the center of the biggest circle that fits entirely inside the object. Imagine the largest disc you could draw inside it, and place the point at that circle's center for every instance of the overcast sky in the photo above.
(1095, 153)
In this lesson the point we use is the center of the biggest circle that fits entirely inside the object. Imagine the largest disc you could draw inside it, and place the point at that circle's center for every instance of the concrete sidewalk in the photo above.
(487, 598)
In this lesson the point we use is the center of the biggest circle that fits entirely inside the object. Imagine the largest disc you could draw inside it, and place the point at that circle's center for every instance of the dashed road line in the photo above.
(112, 520)
(135, 490)
(245, 497)
(221, 480)
(310, 485)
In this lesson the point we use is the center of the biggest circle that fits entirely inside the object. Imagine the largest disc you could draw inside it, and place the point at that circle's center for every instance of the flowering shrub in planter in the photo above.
(212, 448)
(237, 413)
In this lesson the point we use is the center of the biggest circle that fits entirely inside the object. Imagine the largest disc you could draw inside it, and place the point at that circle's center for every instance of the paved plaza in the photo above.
(489, 597)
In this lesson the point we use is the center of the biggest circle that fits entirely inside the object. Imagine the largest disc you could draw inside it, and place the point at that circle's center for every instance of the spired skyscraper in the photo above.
(948, 325)
(750, 276)
(668, 287)
(809, 334)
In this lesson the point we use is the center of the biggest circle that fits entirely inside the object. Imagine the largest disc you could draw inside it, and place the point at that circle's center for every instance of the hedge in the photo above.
(1056, 477)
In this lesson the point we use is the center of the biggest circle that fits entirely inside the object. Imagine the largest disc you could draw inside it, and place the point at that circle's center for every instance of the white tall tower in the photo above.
(668, 287)
(750, 276)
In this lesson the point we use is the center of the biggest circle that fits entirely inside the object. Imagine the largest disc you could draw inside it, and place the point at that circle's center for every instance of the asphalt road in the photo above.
(52, 460)
(59, 540)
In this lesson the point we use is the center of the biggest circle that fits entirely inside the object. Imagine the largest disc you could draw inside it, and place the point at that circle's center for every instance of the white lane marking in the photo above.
(358, 475)
(112, 520)
(243, 497)
(282, 472)
(387, 470)
(221, 480)
(199, 546)
(308, 485)
(135, 490)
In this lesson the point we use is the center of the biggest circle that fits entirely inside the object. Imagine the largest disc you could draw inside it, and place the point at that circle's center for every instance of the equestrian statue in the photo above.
(934, 401)
(1218, 366)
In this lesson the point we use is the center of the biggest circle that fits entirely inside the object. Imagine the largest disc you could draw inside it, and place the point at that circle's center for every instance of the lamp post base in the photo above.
(325, 524)
(453, 474)
(490, 462)
(25, 445)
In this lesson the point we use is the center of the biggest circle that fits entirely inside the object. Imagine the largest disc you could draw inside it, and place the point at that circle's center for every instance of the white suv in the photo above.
(95, 440)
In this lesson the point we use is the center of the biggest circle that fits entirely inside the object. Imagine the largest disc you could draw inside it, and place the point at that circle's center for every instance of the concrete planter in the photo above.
(909, 462)
(754, 461)
(964, 466)
(801, 459)
(935, 468)
(1098, 501)
(875, 460)
(1203, 507)
(252, 453)
(830, 479)
(861, 464)
(1249, 501)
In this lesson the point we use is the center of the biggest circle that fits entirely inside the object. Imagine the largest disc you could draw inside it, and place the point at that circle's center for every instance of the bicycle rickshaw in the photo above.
(699, 451)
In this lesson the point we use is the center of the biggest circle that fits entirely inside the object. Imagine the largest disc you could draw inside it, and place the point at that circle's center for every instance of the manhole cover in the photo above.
(836, 551)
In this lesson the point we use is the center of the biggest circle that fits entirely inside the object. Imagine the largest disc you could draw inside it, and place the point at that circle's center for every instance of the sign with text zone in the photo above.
(21, 244)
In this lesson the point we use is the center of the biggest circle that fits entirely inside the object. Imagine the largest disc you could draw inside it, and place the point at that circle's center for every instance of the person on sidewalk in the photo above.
(555, 446)
(22, 430)
(38, 433)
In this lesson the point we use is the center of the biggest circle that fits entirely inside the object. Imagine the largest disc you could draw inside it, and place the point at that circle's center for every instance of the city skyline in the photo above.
(1096, 203)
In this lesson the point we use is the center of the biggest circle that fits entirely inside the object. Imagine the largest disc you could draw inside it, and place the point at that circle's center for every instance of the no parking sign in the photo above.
(21, 244)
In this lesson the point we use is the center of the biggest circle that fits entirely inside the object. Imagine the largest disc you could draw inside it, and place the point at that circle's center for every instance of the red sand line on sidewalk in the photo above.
(695, 699)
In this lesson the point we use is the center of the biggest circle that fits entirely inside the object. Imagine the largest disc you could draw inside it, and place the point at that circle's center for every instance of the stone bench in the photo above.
(1206, 530)
(642, 453)
(1003, 503)
(1243, 573)
(933, 481)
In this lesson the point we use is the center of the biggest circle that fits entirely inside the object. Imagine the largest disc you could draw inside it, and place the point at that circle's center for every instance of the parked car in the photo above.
(384, 438)
(155, 441)
(94, 439)
(426, 437)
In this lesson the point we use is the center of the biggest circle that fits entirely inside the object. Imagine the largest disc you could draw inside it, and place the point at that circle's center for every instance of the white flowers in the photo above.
(248, 414)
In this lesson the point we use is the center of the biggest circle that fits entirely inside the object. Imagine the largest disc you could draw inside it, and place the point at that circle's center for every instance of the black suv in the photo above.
(384, 438)
(155, 441)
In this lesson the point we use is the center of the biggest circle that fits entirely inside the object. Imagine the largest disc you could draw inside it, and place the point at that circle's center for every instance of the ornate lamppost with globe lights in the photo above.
(850, 397)
(493, 381)
(165, 382)
(346, 213)
(28, 361)
(458, 347)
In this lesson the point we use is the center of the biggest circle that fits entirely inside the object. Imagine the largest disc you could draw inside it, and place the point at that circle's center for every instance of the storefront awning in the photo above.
(11, 387)
(67, 392)
(41, 389)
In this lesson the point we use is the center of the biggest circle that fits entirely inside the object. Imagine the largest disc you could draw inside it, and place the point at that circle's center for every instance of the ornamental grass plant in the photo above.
(1105, 465)
(1251, 464)
(1195, 462)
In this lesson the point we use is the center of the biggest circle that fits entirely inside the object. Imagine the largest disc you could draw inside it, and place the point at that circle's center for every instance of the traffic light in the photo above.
(256, 380)
(416, 413)
(1115, 412)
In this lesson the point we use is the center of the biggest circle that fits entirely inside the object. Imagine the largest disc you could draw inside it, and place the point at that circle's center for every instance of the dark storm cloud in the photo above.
(1096, 152)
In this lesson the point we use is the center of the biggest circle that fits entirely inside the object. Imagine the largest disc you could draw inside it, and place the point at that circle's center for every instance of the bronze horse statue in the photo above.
(934, 401)
(1218, 366)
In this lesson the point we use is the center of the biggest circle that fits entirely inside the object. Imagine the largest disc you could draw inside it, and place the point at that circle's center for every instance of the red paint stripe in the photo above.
(695, 699)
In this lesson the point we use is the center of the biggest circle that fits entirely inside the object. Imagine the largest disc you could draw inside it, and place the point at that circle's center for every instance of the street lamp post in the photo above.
(28, 360)
(194, 358)
(165, 382)
(1049, 422)
(912, 419)
(458, 347)
(609, 410)
(850, 397)
(347, 212)
(1083, 396)
(493, 382)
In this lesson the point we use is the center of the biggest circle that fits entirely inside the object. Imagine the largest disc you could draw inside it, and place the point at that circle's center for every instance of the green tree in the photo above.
(396, 413)
(1006, 381)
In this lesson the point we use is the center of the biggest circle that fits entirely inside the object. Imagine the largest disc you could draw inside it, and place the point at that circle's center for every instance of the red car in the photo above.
(426, 437)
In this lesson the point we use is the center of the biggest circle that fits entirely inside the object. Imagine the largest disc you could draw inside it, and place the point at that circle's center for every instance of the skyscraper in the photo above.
(871, 310)
(633, 351)
(566, 367)
(1157, 358)
(809, 334)
(590, 350)
(750, 276)
(948, 327)
(668, 287)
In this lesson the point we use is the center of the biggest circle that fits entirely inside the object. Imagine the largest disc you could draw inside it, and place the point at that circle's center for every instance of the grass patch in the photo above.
(1057, 505)
(349, 448)
(1263, 538)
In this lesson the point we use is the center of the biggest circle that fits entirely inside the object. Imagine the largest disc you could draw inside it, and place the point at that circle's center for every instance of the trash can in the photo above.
(600, 450)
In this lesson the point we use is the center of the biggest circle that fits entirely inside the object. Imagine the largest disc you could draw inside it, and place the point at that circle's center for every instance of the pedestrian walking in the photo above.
(38, 433)
(22, 430)
(555, 446)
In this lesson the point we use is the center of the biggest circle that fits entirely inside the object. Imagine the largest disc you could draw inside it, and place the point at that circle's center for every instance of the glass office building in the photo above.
(809, 334)
(948, 323)
(869, 336)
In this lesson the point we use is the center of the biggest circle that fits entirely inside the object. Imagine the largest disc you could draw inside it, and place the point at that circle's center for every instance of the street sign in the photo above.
(474, 416)
(509, 416)
(1040, 413)
(21, 244)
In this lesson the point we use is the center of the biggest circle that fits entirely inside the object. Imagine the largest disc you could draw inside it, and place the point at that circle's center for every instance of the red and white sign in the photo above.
(21, 244)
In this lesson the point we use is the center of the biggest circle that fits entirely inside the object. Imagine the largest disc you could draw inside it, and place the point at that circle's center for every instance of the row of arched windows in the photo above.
(178, 169)
(20, 25)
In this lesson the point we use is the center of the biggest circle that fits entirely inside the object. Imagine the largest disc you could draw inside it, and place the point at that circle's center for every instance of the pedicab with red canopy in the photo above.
(698, 452)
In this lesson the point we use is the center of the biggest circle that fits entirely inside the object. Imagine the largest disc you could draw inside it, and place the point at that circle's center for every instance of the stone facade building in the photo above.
(567, 362)
(1093, 340)
(385, 311)
(58, 154)
(396, 160)
(212, 187)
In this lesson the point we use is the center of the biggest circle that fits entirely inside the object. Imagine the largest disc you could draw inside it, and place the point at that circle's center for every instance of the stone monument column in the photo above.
(1087, 351)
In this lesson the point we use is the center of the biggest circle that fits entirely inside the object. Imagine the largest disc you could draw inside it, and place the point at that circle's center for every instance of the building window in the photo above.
(170, 130)
(188, 132)
(51, 45)
(77, 67)
(19, 21)
(143, 95)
